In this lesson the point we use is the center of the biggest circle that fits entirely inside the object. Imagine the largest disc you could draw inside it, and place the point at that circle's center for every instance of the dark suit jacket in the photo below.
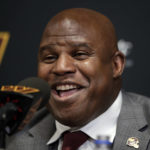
(134, 121)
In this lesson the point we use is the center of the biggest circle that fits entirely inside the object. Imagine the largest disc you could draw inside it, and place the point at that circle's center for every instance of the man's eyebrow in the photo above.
(42, 48)
(75, 45)
(86, 45)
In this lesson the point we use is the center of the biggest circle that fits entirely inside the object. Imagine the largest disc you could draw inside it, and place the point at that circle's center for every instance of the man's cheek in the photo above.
(42, 70)
(41, 73)
(88, 70)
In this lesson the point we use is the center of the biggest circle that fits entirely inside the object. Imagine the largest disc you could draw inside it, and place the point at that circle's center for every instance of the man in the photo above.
(78, 57)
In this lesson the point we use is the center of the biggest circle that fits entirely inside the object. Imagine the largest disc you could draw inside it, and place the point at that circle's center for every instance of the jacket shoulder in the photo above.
(139, 103)
(137, 98)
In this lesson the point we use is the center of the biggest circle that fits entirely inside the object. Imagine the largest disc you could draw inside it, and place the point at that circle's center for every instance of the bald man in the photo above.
(79, 58)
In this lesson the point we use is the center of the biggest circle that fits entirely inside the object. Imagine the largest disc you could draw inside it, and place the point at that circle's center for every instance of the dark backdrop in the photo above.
(26, 19)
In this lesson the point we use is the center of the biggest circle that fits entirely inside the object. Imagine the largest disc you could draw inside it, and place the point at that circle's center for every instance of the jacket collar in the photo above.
(44, 128)
(131, 123)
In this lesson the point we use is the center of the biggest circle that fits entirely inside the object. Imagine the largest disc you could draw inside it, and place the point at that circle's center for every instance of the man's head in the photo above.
(79, 58)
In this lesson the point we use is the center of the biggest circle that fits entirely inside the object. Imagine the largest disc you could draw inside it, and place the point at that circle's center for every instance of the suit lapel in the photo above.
(42, 132)
(130, 124)
(35, 137)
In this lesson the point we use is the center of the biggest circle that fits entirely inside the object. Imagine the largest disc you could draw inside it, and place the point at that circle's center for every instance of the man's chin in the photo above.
(72, 120)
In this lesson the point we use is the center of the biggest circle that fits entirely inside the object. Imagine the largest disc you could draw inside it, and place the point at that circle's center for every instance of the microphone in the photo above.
(18, 103)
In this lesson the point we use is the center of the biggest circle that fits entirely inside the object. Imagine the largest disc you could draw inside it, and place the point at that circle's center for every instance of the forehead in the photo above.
(69, 31)
(70, 40)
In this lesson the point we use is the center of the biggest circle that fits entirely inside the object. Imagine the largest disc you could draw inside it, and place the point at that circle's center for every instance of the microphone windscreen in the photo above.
(37, 83)
(40, 84)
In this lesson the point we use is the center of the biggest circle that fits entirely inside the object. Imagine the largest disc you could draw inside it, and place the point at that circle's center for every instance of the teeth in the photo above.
(65, 87)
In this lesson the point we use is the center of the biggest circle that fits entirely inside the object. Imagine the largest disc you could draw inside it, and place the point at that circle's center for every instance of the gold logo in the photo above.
(4, 38)
(19, 89)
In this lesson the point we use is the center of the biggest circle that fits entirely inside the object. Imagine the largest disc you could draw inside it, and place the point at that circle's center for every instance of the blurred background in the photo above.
(25, 20)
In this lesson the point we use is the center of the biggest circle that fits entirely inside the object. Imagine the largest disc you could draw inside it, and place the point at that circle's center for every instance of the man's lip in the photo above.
(68, 96)
(54, 85)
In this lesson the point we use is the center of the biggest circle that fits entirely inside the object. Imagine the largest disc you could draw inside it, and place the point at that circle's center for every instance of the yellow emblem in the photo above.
(4, 38)
(133, 142)
(19, 89)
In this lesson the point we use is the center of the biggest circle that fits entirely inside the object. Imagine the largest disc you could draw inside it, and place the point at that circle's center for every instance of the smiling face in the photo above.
(75, 61)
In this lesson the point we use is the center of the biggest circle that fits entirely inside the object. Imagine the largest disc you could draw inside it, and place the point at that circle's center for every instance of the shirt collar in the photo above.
(60, 128)
(104, 125)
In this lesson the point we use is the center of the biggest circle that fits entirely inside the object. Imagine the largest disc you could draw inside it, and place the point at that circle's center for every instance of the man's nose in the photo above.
(64, 65)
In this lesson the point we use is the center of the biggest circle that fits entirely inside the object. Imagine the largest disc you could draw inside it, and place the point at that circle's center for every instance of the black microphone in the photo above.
(18, 103)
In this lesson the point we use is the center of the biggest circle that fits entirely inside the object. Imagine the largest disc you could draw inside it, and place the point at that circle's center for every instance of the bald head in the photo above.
(86, 22)
(78, 57)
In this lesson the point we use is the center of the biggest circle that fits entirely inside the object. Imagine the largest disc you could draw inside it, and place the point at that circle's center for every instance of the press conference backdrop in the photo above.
(25, 20)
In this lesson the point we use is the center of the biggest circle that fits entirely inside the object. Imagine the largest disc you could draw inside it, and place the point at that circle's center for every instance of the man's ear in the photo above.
(118, 64)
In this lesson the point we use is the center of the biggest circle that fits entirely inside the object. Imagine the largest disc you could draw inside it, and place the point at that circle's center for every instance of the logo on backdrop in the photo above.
(4, 38)
(126, 48)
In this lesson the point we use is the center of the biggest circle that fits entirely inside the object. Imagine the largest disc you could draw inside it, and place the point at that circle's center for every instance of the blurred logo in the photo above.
(19, 89)
(4, 38)
(126, 48)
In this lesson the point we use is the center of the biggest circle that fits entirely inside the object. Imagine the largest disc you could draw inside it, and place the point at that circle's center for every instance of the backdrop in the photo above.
(26, 19)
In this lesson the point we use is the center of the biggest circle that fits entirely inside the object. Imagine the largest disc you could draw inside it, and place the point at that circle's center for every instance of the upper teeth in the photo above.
(65, 87)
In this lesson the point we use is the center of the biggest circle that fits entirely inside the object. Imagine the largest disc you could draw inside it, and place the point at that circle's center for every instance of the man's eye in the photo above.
(49, 59)
(81, 55)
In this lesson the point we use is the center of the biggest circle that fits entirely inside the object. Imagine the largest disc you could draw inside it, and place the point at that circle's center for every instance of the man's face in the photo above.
(71, 60)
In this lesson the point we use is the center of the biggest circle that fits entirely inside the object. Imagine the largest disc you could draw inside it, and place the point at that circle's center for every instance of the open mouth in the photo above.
(67, 89)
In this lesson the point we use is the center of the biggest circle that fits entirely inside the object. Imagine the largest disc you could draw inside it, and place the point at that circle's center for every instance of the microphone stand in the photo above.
(2, 140)
(6, 114)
